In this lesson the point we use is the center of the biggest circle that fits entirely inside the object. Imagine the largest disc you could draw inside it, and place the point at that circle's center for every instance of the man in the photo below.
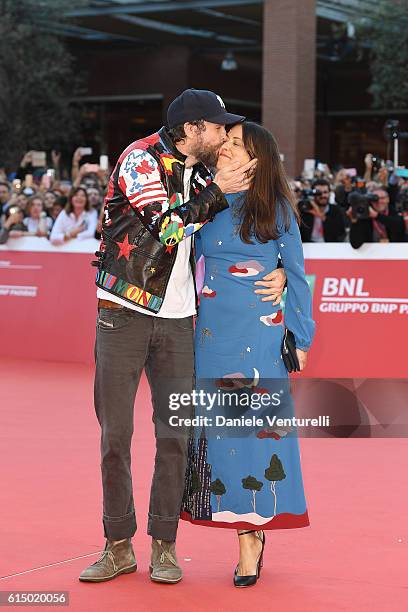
(324, 222)
(383, 225)
(159, 194)
(5, 197)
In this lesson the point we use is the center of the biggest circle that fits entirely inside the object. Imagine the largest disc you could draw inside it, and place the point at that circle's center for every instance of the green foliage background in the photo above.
(386, 32)
(37, 79)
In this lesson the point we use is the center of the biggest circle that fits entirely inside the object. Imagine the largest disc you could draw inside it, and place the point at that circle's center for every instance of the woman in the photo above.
(252, 481)
(37, 222)
(76, 221)
(50, 197)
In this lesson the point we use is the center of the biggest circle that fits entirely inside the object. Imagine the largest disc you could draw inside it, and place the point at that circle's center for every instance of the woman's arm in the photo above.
(58, 230)
(298, 302)
(92, 221)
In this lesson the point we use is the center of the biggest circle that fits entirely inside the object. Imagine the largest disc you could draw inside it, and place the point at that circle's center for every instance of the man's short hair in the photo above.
(5, 184)
(177, 133)
(320, 182)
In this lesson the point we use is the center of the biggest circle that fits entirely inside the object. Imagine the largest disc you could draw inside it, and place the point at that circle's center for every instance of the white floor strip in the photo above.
(35, 569)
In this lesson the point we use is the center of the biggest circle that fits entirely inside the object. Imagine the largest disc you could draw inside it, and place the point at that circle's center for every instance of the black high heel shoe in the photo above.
(246, 581)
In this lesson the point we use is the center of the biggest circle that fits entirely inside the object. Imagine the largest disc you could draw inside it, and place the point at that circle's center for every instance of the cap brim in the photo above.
(226, 119)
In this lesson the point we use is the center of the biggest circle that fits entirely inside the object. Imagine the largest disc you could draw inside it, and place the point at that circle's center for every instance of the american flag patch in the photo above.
(151, 192)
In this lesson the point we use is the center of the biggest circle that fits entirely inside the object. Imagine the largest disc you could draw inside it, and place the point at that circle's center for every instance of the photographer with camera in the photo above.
(382, 172)
(372, 219)
(343, 187)
(321, 221)
(13, 226)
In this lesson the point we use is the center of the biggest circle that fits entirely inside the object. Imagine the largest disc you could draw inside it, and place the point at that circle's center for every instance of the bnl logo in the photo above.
(352, 287)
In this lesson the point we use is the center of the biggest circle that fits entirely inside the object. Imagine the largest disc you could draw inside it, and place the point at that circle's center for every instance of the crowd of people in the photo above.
(340, 207)
(344, 207)
(35, 201)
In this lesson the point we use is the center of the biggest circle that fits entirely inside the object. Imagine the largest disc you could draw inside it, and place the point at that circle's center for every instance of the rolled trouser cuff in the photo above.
(119, 527)
(161, 528)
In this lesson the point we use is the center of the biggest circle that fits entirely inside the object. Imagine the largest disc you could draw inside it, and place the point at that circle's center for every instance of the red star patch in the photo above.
(125, 248)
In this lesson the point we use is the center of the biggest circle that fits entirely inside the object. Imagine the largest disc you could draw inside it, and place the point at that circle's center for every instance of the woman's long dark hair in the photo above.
(269, 187)
(69, 206)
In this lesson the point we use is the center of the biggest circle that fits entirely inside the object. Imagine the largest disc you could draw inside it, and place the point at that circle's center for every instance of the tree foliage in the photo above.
(386, 33)
(275, 470)
(37, 79)
(217, 487)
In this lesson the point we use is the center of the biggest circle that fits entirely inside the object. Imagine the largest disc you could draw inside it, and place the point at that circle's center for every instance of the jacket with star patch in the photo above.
(145, 217)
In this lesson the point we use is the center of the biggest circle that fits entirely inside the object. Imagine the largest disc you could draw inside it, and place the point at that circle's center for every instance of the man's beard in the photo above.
(206, 154)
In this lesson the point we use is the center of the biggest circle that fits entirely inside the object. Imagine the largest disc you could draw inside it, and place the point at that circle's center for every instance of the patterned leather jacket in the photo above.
(145, 217)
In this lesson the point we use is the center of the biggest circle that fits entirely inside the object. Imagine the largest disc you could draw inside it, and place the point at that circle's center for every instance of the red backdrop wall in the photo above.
(48, 306)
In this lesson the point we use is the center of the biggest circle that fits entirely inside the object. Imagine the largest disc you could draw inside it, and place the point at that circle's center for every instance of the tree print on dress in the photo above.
(218, 489)
(253, 485)
(274, 473)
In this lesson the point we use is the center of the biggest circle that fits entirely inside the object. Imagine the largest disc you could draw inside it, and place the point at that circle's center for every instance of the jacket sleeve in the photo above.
(394, 225)
(198, 247)
(335, 225)
(361, 231)
(298, 302)
(170, 220)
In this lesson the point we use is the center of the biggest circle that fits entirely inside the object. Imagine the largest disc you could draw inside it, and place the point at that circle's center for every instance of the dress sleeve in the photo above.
(298, 302)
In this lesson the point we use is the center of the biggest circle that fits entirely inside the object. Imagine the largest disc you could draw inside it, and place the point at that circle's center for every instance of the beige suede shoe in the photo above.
(116, 559)
(164, 566)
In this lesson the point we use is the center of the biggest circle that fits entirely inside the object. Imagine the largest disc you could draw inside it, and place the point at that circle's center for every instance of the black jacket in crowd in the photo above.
(363, 230)
(334, 226)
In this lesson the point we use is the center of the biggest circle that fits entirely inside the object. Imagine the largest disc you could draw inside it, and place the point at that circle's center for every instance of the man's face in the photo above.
(205, 145)
(93, 196)
(4, 194)
(383, 201)
(323, 198)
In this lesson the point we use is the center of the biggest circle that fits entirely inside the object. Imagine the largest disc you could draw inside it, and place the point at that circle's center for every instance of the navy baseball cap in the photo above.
(195, 104)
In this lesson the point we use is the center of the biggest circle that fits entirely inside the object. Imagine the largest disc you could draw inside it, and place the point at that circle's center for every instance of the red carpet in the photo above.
(352, 557)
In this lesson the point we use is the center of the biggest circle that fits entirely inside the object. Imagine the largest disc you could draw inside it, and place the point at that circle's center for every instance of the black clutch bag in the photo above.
(288, 349)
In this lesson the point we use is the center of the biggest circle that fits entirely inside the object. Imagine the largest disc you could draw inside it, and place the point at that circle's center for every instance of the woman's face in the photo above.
(49, 199)
(36, 209)
(79, 201)
(233, 150)
(22, 201)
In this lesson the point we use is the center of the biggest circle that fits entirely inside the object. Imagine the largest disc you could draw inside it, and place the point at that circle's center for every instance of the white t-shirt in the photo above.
(179, 300)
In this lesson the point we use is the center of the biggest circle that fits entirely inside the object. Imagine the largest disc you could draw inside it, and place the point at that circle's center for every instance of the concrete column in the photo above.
(289, 73)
